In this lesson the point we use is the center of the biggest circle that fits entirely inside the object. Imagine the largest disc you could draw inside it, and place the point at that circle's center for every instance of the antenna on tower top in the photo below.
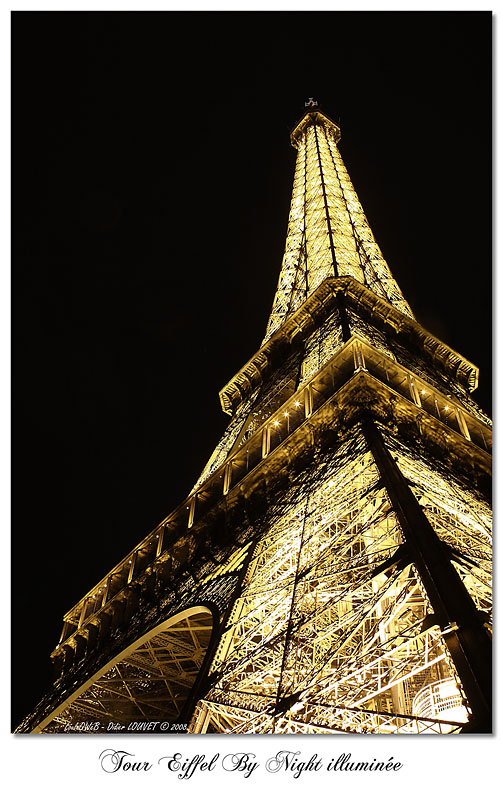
(311, 103)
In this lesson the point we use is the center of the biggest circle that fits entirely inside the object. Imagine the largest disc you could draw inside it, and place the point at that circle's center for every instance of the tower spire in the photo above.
(328, 233)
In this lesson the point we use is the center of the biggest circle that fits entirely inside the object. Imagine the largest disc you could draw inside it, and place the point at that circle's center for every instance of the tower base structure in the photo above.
(331, 570)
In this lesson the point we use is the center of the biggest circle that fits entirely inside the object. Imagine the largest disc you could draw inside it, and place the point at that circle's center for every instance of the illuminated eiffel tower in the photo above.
(331, 569)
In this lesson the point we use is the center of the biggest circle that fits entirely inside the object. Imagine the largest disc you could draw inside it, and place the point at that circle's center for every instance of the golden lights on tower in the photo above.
(352, 428)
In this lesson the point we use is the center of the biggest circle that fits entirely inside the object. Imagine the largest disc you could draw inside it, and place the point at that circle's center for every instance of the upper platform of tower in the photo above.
(314, 116)
(335, 285)
(328, 233)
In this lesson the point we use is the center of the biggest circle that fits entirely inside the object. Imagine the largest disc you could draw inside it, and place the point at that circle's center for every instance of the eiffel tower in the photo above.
(330, 571)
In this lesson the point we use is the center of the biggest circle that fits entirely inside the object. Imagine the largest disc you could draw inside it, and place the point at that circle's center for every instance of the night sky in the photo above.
(152, 174)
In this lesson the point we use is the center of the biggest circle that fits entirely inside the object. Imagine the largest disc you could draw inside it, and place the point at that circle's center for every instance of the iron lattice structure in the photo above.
(331, 569)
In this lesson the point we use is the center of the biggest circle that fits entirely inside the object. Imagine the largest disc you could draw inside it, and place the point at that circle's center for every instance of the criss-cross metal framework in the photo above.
(334, 630)
(328, 233)
(331, 569)
(149, 681)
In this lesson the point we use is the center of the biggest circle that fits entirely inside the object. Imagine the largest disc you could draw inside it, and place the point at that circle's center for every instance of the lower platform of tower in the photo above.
(347, 590)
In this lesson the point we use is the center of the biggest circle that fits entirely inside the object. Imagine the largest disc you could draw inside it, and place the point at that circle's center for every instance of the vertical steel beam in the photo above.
(104, 599)
(325, 201)
(463, 427)
(205, 679)
(192, 511)
(358, 357)
(416, 397)
(227, 477)
(65, 631)
(463, 630)
(132, 565)
(308, 401)
(266, 440)
(343, 314)
(83, 612)
(160, 539)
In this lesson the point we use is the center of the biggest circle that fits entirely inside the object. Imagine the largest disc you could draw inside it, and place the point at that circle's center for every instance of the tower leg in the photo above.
(464, 633)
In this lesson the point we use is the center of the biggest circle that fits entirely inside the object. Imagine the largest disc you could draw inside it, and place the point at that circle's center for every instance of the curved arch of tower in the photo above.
(330, 572)
(151, 679)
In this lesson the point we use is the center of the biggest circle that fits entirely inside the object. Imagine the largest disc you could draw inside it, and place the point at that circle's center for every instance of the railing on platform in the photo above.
(355, 356)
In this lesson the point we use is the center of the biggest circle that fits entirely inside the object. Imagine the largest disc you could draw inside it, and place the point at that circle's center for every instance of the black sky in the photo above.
(151, 180)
